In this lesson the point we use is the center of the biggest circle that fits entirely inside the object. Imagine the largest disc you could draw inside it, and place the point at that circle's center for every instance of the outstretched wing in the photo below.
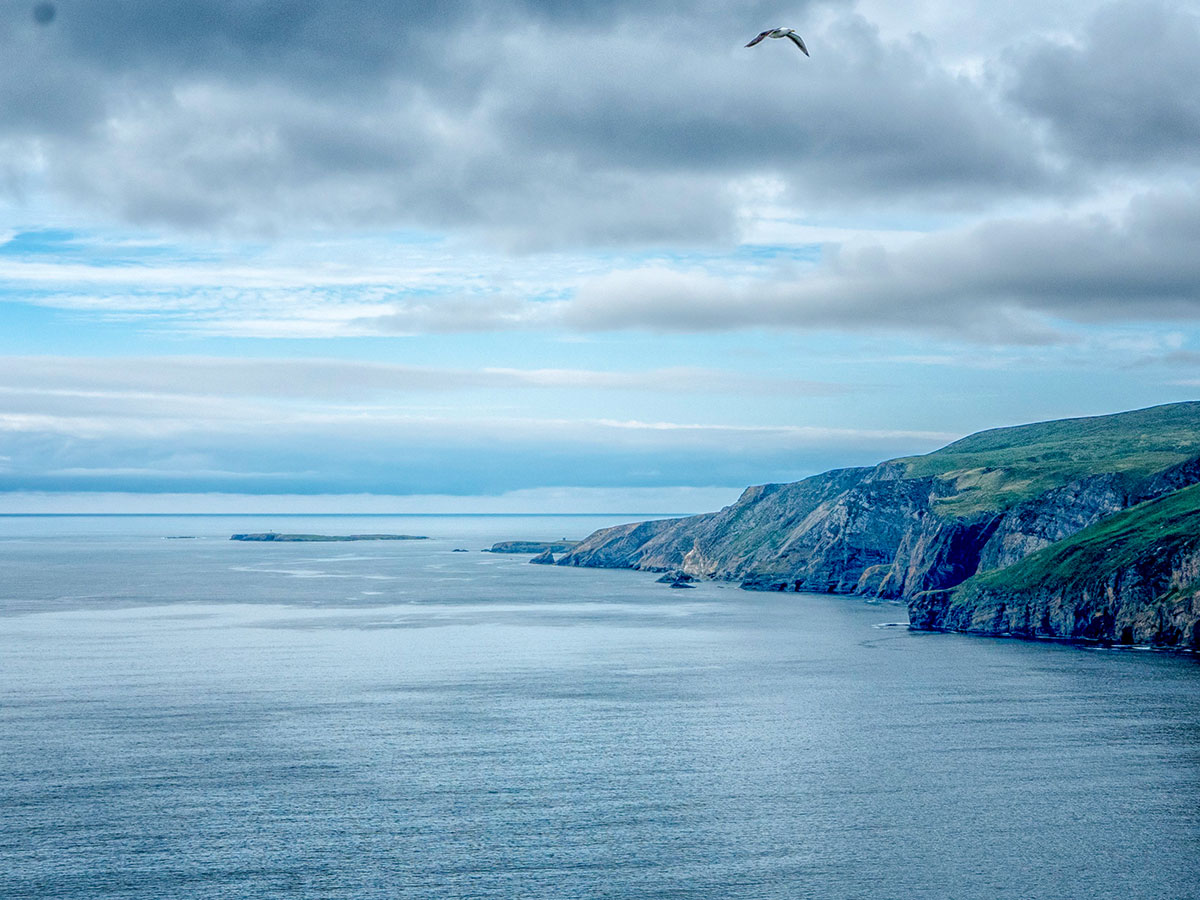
(760, 37)
(797, 40)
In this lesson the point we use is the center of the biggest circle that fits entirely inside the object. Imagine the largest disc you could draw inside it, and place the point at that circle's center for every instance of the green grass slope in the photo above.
(1156, 530)
(995, 469)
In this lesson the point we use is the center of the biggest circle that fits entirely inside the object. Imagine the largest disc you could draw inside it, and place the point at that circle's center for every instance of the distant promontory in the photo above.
(314, 538)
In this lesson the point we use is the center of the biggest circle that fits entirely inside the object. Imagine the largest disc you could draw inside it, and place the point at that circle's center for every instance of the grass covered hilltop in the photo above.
(1078, 528)
(999, 468)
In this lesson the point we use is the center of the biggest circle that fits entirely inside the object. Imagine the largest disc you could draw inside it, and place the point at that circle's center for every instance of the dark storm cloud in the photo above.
(544, 122)
(538, 122)
(868, 117)
(1126, 91)
(319, 39)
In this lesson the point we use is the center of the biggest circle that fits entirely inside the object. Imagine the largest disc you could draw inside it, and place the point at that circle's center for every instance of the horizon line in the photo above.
(146, 515)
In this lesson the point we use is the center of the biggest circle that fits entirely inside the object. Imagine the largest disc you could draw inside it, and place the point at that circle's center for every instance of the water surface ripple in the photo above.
(204, 719)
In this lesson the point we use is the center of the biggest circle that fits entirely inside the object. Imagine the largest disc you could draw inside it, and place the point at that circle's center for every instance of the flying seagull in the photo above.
(781, 33)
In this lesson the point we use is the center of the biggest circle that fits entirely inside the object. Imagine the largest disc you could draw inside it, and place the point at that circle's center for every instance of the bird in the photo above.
(782, 33)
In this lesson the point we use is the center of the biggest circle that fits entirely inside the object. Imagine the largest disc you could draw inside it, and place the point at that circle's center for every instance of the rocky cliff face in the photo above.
(876, 532)
(742, 538)
(1130, 578)
(865, 531)
(1153, 601)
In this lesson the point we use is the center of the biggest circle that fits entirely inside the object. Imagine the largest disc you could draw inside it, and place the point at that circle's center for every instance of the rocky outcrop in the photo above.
(545, 558)
(675, 578)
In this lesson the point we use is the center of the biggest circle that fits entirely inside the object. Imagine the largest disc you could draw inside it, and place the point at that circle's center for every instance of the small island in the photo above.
(273, 536)
(532, 547)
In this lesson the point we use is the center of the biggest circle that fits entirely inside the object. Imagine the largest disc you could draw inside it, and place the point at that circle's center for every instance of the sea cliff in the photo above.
(1133, 578)
(918, 529)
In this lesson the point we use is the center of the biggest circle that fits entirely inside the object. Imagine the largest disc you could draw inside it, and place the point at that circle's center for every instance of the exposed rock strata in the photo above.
(860, 531)
(879, 533)
(1153, 602)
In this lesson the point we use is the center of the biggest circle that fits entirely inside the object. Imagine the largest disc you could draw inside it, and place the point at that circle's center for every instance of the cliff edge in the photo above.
(1131, 579)
(912, 529)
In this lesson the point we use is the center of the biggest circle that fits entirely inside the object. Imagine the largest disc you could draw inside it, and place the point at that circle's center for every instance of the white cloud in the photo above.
(988, 186)
(147, 383)
(1001, 281)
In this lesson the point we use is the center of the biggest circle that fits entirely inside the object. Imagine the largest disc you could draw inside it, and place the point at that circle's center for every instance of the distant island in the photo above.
(1077, 529)
(533, 547)
(299, 538)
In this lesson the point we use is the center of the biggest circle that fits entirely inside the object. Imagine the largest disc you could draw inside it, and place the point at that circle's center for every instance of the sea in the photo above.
(185, 716)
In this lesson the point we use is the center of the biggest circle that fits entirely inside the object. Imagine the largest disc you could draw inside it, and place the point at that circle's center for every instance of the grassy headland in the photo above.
(993, 470)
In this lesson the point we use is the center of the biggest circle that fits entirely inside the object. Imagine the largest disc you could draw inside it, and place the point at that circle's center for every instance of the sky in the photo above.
(551, 256)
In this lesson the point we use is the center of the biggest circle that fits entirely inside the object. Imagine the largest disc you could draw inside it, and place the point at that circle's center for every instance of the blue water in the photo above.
(202, 718)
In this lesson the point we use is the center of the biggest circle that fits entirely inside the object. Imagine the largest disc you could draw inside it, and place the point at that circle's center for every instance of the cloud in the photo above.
(1003, 280)
(456, 314)
(376, 452)
(544, 172)
(540, 501)
(563, 126)
(1024, 279)
(272, 426)
(1119, 93)
(1000, 281)
(601, 126)
(79, 385)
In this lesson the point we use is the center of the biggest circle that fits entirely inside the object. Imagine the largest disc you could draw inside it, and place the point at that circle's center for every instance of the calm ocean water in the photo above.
(201, 719)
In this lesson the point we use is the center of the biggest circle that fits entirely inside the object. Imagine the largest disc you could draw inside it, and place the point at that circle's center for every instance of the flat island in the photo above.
(273, 536)
(532, 547)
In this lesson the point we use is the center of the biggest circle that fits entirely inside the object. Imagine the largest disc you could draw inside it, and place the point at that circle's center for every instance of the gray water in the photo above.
(201, 719)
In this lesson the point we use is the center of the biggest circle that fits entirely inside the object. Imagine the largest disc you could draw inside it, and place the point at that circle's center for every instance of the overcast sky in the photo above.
(543, 254)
